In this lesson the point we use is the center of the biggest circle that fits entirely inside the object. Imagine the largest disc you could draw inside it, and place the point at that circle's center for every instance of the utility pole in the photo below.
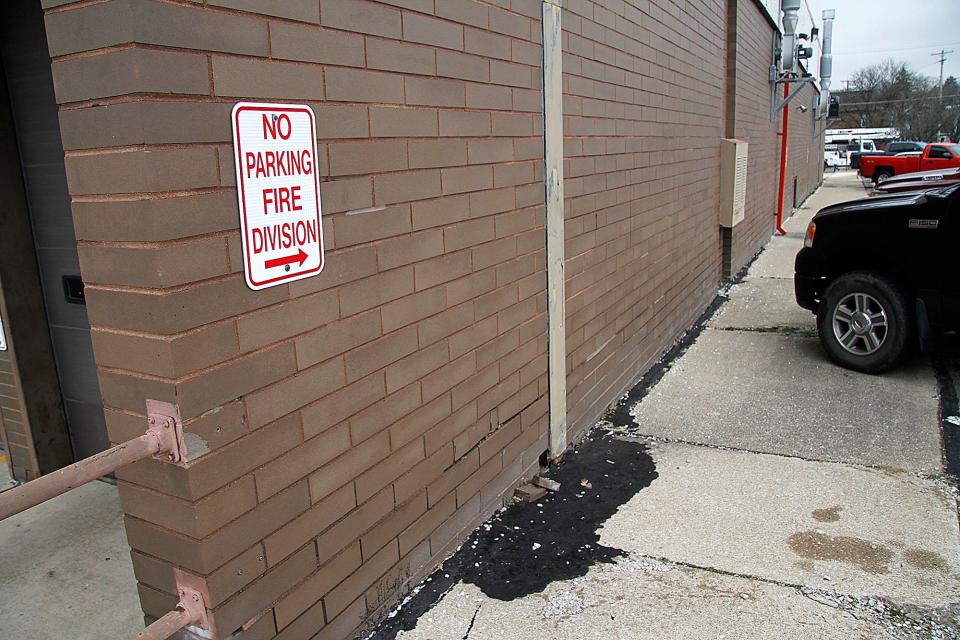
(943, 58)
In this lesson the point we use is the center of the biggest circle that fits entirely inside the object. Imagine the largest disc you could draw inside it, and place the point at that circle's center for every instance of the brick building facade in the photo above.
(346, 431)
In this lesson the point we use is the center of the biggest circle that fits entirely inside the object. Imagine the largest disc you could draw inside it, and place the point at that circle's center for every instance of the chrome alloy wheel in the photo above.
(860, 324)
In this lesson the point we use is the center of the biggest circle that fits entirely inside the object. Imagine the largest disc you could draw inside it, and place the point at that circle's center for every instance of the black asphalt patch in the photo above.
(526, 547)
(946, 366)
(529, 545)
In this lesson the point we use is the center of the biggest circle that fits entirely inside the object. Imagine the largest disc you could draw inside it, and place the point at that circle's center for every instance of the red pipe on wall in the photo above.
(783, 159)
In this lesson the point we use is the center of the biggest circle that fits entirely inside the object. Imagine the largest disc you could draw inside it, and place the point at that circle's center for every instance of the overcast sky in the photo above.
(868, 31)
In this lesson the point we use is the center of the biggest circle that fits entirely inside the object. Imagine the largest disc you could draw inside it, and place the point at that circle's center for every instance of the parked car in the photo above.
(919, 181)
(879, 275)
(858, 150)
(903, 146)
(934, 156)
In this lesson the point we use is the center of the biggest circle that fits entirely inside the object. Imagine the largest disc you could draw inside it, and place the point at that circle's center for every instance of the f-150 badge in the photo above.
(922, 223)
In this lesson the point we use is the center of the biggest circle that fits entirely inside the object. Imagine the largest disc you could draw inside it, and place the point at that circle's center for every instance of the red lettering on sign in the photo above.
(281, 199)
(269, 127)
(283, 235)
(295, 198)
(278, 192)
(275, 125)
(284, 118)
(272, 164)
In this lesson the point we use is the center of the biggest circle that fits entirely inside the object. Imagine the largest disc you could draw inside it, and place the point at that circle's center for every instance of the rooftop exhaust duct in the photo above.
(826, 56)
(788, 50)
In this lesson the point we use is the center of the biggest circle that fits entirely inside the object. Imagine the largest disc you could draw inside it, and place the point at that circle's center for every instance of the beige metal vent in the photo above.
(733, 181)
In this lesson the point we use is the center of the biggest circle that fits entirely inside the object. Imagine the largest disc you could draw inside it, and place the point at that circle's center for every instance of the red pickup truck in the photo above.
(934, 156)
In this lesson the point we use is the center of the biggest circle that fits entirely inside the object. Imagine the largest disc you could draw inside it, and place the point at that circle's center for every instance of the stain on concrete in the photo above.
(891, 471)
(806, 565)
(927, 560)
(868, 556)
(831, 514)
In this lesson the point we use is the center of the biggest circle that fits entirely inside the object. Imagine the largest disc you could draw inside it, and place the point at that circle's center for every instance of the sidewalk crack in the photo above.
(473, 620)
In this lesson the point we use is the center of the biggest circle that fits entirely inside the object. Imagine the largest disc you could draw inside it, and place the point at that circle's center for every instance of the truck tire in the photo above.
(865, 322)
(882, 175)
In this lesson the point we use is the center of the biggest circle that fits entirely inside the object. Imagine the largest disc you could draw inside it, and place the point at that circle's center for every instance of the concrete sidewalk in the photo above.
(65, 565)
(793, 499)
(790, 499)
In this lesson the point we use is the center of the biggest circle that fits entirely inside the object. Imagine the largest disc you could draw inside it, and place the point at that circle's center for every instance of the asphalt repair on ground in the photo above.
(774, 526)
(946, 365)
(526, 546)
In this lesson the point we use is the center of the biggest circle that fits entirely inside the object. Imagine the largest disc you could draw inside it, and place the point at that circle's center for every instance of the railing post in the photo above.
(190, 610)
(163, 440)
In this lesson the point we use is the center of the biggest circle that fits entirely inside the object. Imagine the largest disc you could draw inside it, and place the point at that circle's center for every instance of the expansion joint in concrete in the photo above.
(901, 621)
(626, 433)
(784, 331)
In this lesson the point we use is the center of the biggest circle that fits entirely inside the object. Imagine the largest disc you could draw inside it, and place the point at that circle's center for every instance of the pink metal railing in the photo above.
(163, 440)
(160, 440)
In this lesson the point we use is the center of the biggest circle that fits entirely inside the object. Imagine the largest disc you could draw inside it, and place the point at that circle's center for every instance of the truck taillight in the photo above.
(811, 231)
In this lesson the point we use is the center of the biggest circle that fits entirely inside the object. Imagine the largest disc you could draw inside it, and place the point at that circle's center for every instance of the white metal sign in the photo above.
(3, 337)
(278, 192)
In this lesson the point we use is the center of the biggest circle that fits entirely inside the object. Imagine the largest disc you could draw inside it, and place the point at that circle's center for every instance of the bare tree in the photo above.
(891, 94)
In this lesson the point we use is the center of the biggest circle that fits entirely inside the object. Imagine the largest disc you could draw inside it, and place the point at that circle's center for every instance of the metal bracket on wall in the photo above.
(163, 418)
(163, 440)
(776, 79)
(821, 121)
(777, 105)
(189, 613)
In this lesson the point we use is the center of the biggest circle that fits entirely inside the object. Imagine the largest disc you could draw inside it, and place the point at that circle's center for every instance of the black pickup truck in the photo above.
(880, 275)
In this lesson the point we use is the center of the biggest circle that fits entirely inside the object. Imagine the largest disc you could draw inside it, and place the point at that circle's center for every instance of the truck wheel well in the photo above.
(876, 267)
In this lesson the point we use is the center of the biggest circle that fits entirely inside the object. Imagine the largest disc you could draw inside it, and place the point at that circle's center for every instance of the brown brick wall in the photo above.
(644, 92)
(15, 433)
(346, 429)
(805, 150)
(748, 118)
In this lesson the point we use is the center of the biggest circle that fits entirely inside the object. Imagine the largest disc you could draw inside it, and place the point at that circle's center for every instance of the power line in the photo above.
(848, 82)
(855, 104)
(813, 23)
(922, 46)
(809, 12)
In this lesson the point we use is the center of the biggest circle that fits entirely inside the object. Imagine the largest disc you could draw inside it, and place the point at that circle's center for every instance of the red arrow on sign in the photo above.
(300, 256)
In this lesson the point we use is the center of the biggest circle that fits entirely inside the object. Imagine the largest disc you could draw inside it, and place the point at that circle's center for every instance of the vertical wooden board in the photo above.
(553, 179)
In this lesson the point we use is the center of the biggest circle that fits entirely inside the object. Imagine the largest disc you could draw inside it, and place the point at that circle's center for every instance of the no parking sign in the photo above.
(278, 192)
